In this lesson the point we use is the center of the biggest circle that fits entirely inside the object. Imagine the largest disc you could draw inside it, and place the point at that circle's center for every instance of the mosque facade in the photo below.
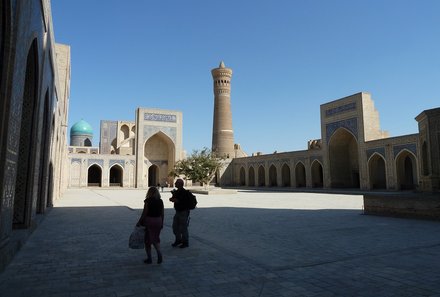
(131, 154)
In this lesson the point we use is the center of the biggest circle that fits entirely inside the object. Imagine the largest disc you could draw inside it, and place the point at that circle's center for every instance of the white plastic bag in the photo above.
(136, 240)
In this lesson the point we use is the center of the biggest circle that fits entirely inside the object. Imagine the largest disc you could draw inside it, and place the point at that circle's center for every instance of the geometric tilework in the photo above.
(379, 150)
(151, 130)
(113, 162)
(96, 161)
(410, 146)
(340, 109)
(349, 124)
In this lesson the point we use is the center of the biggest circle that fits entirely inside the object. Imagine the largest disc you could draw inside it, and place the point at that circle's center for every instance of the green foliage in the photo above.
(200, 166)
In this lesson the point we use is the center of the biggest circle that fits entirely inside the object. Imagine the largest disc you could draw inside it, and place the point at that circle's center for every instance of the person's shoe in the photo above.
(184, 245)
(159, 259)
(176, 243)
(148, 261)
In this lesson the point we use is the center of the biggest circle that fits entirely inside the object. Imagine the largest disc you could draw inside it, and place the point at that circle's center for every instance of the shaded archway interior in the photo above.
(344, 160)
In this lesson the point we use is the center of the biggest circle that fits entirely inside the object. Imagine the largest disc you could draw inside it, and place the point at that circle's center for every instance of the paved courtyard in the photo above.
(245, 244)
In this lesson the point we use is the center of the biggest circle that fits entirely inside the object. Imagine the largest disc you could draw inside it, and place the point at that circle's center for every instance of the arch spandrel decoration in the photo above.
(73, 160)
(100, 162)
(379, 150)
(149, 131)
(349, 124)
(313, 158)
(412, 147)
(113, 162)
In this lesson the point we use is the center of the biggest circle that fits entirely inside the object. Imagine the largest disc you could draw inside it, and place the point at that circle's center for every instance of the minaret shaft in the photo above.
(222, 132)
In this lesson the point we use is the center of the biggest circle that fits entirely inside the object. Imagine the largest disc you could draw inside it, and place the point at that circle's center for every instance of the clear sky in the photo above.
(288, 57)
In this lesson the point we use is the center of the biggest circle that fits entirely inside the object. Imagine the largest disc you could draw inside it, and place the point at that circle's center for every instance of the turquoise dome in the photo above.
(81, 128)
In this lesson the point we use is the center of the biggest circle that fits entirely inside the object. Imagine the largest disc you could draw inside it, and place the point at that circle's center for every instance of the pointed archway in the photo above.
(317, 175)
(406, 166)
(251, 177)
(159, 150)
(344, 160)
(272, 176)
(27, 143)
(377, 172)
(285, 175)
(242, 177)
(116, 176)
(300, 175)
(153, 176)
(94, 176)
(261, 176)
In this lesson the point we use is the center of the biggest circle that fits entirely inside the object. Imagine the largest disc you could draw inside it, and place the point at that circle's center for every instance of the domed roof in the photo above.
(81, 128)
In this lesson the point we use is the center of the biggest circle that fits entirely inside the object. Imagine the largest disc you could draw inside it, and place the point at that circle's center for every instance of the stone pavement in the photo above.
(245, 244)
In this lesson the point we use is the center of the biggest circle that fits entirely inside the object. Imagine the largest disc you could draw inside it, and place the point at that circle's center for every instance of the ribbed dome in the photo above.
(81, 128)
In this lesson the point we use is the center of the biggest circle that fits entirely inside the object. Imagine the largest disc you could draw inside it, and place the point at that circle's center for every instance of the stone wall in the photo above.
(32, 86)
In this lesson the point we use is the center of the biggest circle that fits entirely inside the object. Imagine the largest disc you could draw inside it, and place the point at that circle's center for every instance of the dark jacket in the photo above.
(182, 199)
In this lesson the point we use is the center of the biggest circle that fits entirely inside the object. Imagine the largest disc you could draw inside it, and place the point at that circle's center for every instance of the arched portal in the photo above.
(406, 171)
(27, 142)
(251, 177)
(261, 176)
(285, 175)
(242, 177)
(377, 172)
(125, 132)
(317, 175)
(94, 176)
(159, 149)
(116, 176)
(344, 161)
(153, 176)
(272, 176)
(300, 175)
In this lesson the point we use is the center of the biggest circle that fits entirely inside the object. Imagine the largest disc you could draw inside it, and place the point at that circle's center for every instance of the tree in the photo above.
(200, 166)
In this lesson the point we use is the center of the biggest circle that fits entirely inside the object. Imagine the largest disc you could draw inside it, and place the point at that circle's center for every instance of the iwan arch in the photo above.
(352, 153)
(135, 154)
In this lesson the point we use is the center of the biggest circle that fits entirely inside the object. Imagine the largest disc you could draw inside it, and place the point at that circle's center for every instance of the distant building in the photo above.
(352, 153)
(135, 154)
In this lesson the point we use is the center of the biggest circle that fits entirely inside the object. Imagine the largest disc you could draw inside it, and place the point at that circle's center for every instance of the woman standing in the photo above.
(152, 218)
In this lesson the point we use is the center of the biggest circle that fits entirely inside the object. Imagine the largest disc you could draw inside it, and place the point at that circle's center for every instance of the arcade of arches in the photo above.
(353, 154)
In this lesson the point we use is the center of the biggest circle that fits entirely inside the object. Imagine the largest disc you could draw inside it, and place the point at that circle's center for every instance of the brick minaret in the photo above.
(222, 133)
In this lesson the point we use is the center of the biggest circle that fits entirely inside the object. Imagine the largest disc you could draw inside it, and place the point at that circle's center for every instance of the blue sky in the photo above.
(288, 58)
